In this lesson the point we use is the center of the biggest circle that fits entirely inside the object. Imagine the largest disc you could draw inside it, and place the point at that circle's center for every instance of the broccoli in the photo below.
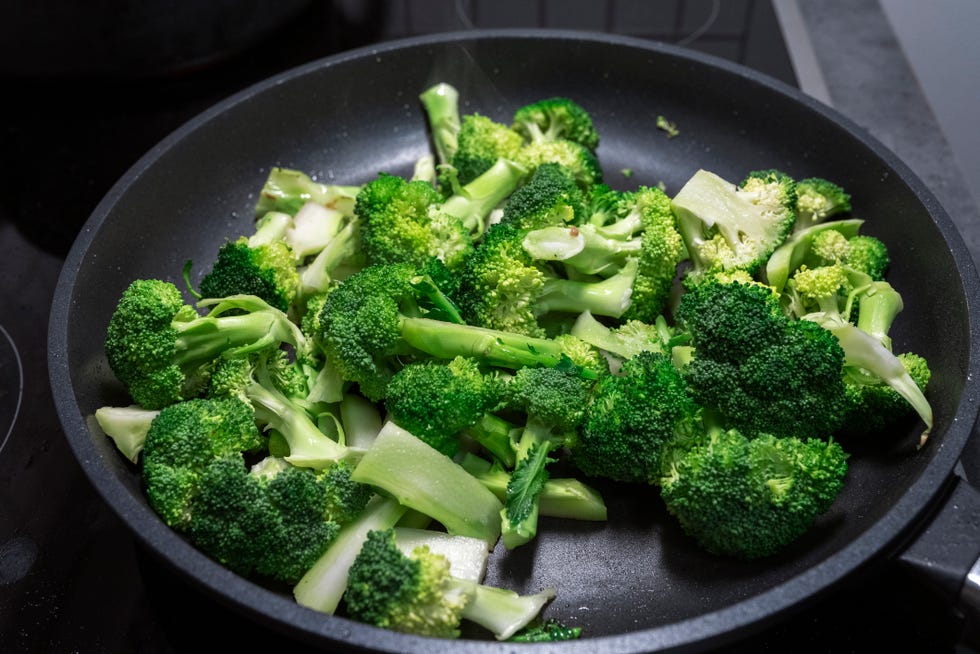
(405, 468)
(182, 441)
(868, 255)
(482, 140)
(631, 417)
(552, 401)
(750, 497)
(441, 104)
(126, 426)
(797, 250)
(503, 287)
(644, 230)
(628, 339)
(817, 200)
(437, 400)
(555, 119)
(546, 631)
(873, 403)
(276, 520)
(404, 221)
(416, 594)
(374, 317)
(560, 497)
(550, 197)
(266, 271)
(286, 191)
(257, 380)
(762, 370)
(160, 347)
(867, 347)
(728, 227)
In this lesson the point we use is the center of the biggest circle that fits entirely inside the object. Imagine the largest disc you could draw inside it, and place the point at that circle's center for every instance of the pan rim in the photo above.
(706, 630)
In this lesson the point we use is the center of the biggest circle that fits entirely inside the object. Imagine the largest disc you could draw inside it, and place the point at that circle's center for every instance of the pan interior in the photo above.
(348, 118)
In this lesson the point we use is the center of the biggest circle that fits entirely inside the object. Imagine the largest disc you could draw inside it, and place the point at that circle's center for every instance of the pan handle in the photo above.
(946, 555)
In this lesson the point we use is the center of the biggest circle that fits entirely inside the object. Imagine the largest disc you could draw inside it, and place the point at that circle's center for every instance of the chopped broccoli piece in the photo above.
(481, 141)
(751, 497)
(550, 197)
(416, 594)
(441, 104)
(160, 347)
(286, 190)
(817, 200)
(728, 227)
(557, 118)
(762, 370)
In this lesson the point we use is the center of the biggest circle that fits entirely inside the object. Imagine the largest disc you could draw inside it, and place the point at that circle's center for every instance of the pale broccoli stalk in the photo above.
(126, 426)
(441, 103)
(421, 478)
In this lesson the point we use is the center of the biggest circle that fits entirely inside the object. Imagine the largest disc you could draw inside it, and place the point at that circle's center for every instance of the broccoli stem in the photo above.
(316, 277)
(581, 248)
(271, 227)
(559, 498)
(323, 585)
(502, 611)
(126, 426)
(441, 103)
(519, 517)
(287, 190)
(308, 446)
(448, 340)
(423, 479)
(474, 202)
(205, 338)
(878, 307)
(610, 297)
(496, 435)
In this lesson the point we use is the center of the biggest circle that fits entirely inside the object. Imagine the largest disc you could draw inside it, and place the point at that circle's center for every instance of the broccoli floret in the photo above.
(552, 401)
(406, 221)
(374, 317)
(438, 400)
(126, 426)
(728, 227)
(160, 347)
(416, 594)
(868, 255)
(867, 346)
(751, 497)
(645, 232)
(275, 521)
(265, 271)
(503, 287)
(182, 441)
(873, 404)
(258, 380)
(582, 162)
(550, 197)
(628, 339)
(286, 190)
(762, 370)
(557, 118)
(631, 417)
(797, 250)
(480, 143)
(817, 200)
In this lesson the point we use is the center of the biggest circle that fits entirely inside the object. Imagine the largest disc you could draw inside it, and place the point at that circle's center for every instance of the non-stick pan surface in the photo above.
(635, 583)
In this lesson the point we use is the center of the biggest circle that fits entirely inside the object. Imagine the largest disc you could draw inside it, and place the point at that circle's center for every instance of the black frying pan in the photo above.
(636, 583)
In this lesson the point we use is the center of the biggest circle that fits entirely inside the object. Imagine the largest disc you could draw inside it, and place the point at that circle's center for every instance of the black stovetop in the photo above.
(72, 578)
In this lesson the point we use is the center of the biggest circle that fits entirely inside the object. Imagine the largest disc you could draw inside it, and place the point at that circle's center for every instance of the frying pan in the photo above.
(635, 583)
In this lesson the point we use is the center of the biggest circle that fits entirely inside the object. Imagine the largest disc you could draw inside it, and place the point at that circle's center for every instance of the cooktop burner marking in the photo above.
(10, 395)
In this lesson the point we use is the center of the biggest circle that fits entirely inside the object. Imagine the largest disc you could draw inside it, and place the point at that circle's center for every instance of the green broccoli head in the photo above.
(266, 271)
(869, 255)
(550, 197)
(750, 498)
(817, 200)
(401, 223)
(556, 397)
(436, 400)
(575, 157)
(556, 118)
(480, 142)
(412, 594)
(763, 371)
(631, 418)
(183, 440)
